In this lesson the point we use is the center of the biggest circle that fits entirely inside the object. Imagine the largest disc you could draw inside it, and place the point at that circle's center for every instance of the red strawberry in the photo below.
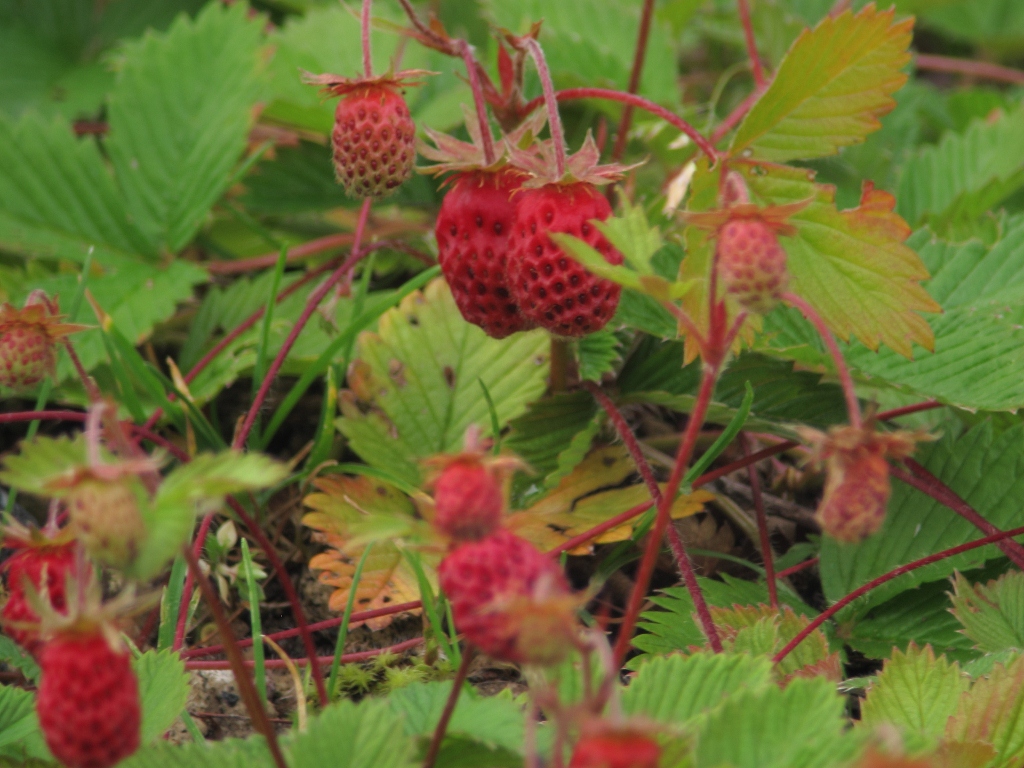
(373, 140)
(472, 233)
(88, 703)
(509, 599)
(552, 289)
(616, 749)
(468, 502)
(45, 566)
(751, 263)
(28, 339)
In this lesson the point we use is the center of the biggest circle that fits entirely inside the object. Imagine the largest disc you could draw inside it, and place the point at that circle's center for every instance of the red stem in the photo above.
(908, 409)
(924, 481)
(796, 568)
(348, 658)
(90, 386)
(479, 103)
(246, 687)
(550, 101)
(186, 594)
(570, 94)
(734, 117)
(852, 404)
(980, 69)
(622, 134)
(762, 529)
(311, 304)
(364, 28)
(825, 615)
(449, 709)
(748, 33)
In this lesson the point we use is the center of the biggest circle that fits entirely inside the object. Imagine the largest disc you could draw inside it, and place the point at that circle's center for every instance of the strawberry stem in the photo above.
(559, 362)
(634, 78)
(762, 527)
(466, 51)
(748, 33)
(449, 709)
(550, 101)
(364, 26)
(852, 404)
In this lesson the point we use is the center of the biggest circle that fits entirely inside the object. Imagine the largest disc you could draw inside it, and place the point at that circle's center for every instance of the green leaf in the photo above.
(830, 90)
(350, 736)
(915, 691)
(214, 475)
(496, 722)
(591, 43)
(993, 712)
(418, 376)
(798, 727)
(163, 690)
(57, 199)
(12, 655)
(993, 24)
(984, 469)
(230, 753)
(992, 614)
(42, 459)
(966, 173)
(20, 738)
(179, 117)
(677, 689)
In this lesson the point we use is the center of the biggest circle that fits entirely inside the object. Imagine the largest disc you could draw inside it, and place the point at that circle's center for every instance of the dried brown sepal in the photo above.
(451, 154)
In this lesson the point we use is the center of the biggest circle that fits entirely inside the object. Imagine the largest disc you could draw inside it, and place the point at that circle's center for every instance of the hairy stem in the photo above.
(756, 68)
(843, 371)
(785, 574)
(970, 68)
(348, 658)
(550, 101)
(762, 529)
(449, 709)
(311, 305)
(828, 613)
(622, 134)
(246, 687)
(364, 27)
(479, 102)
(91, 389)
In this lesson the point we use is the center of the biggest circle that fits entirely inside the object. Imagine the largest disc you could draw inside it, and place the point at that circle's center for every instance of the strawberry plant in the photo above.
(586, 383)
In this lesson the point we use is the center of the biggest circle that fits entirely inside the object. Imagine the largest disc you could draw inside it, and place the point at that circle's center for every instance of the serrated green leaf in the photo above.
(420, 372)
(992, 614)
(350, 736)
(20, 737)
(983, 468)
(214, 475)
(42, 459)
(635, 238)
(13, 655)
(598, 353)
(798, 727)
(915, 691)
(830, 90)
(993, 712)
(179, 116)
(677, 689)
(965, 174)
(230, 753)
(163, 690)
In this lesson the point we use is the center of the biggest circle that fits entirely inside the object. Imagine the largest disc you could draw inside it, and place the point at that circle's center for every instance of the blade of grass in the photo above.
(429, 600)
(260, 367)
(495, 424)
(255, 622)
(325, 429)
(339, 646)
(170, 603)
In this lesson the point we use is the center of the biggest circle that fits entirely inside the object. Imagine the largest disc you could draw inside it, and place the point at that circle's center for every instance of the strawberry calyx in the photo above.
(451, 154)
(538, 160)
(337, 85)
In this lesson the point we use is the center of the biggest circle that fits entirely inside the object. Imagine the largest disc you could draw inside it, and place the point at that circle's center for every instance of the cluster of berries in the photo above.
(508, 598)
(88, 699)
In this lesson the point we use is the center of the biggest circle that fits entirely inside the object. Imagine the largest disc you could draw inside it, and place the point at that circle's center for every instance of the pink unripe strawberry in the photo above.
(107, 518)
(551, 288)
(28, 340)
(616, 749)
(509, 599)
(473, 226)
(373, 140)
(88, 702)
(468, 500)
(751, 264)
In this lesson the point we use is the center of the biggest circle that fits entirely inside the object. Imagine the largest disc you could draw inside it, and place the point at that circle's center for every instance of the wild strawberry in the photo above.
(509, 599)
(552, 289)
(107, 518)
(374, 137)
(28, 340)
(88, 702)
(468, 501)
(472, 232)
(616, 748)
(44, 564)
(857, 483)
(751, 264)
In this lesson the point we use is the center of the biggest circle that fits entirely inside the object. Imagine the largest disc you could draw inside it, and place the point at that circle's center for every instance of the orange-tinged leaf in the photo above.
(993, 712)
(834, 84)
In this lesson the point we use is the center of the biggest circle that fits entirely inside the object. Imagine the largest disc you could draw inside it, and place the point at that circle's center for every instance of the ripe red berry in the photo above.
(751, 263)
(30, 563)
(508, 598)
(552, 289)
(468, 502)
(472, 232)
(88, 703)
(616, 749)
(373, 140)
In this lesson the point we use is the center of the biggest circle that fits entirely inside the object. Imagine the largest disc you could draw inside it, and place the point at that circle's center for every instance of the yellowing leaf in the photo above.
(574, 507)
(344, 507)
(830, 90)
